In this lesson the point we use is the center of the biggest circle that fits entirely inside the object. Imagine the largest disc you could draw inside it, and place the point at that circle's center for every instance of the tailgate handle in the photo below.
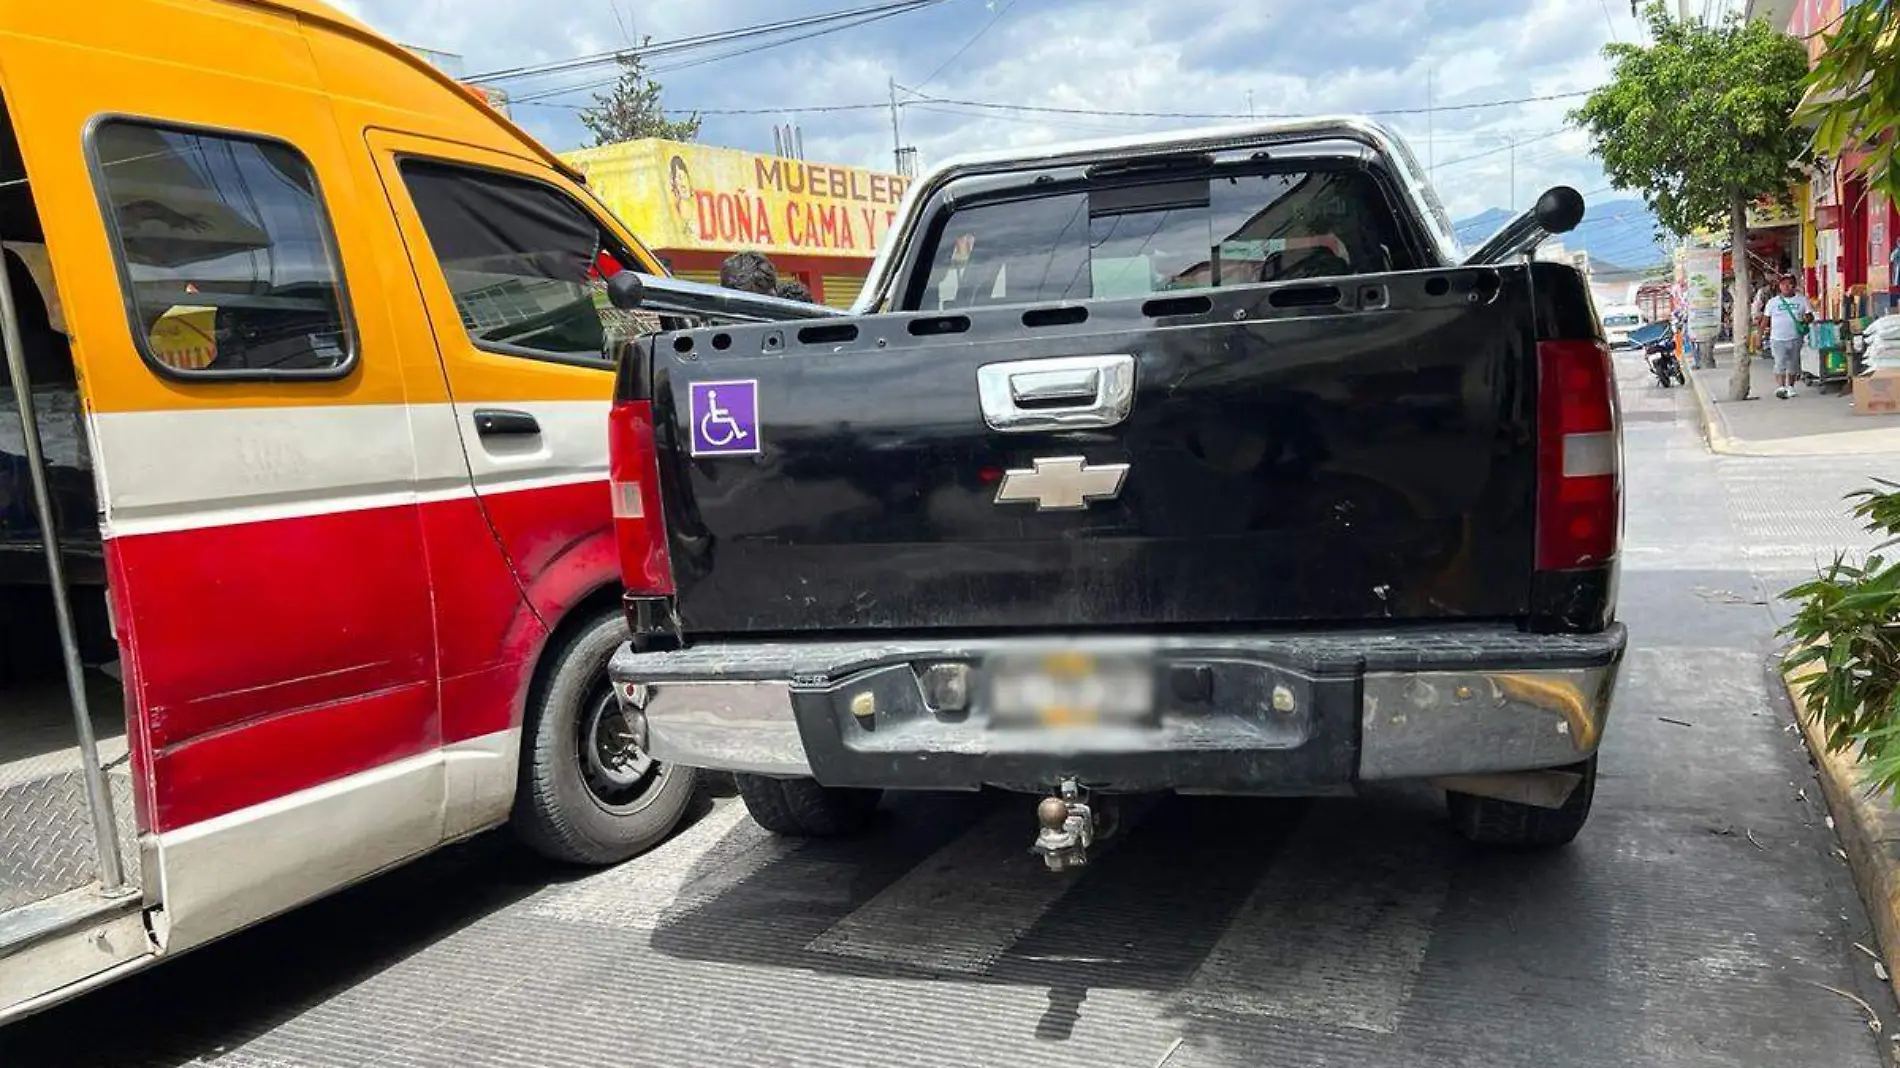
(1046, 387)
(1060, 393)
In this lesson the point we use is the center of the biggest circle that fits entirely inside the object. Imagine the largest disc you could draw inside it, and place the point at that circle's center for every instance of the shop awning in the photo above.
(1816, 98)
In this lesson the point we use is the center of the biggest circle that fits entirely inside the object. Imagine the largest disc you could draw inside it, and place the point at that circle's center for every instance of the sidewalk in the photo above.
(1811, 424)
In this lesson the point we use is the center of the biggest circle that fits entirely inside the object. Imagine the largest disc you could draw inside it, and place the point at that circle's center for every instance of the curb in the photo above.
(1869, 830)
(1712, 429)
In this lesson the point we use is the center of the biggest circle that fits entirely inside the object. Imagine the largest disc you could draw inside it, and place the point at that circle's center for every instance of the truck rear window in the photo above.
(1131, 240)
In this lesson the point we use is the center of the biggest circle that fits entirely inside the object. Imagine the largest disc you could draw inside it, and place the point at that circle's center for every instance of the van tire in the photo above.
(800, 808)
(557, 812)
(1487, 821)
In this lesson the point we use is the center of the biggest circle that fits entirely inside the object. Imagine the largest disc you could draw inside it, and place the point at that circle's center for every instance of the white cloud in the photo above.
(1090, 55)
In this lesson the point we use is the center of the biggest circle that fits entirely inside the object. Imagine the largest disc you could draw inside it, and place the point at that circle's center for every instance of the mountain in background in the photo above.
(1616, 233)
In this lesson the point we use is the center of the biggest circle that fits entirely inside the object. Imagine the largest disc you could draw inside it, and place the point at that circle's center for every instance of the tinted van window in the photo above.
(522, 259)
(226, 251)
(1124, 241)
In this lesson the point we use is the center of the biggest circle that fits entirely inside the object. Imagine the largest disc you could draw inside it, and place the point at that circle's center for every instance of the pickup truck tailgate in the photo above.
(1322, 451)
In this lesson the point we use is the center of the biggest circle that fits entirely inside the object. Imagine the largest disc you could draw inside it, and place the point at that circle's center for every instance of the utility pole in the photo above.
(897, 140)
(1431, 155)
(1512, 138)
(1250, 104)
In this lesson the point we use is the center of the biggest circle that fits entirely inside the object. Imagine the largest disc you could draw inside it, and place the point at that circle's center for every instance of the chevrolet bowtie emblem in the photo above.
(1061, 483)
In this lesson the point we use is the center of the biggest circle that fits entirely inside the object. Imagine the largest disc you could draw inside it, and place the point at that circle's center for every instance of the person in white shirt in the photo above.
(1784, 318)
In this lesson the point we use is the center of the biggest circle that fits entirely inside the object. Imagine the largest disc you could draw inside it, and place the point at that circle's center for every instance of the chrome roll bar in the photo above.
(633, 291)
(1354, 129)
(1558, 211)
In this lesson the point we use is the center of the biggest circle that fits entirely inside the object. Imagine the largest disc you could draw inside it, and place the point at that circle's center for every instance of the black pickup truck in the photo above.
(1204, 462)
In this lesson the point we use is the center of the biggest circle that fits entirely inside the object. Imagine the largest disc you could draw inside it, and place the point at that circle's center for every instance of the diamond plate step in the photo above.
(46, 841)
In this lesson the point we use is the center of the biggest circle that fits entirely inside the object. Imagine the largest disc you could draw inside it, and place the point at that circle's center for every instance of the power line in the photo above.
(1046, 109)
(1471, 133)
(626, 33)
(1512, 147)
(721, 57)
(698, 41)
(1616, 232)
(1068, 124)
(1531, 159)
(995, 17)
(818, 110)
(993, 116)
(1607, 21)
(923, 98)
(821, 32)
(666, 68)
(543, 94)
(855, 16)
(1586, 193)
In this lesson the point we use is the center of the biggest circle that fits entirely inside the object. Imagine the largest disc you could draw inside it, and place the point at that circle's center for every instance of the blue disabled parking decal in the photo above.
(725, 417)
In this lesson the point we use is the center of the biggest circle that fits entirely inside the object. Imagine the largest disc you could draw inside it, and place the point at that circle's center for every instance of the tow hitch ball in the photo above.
(1067, 828)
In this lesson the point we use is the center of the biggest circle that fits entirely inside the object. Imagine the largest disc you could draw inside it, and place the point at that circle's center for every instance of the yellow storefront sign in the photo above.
(681, 196)
(1769, 213)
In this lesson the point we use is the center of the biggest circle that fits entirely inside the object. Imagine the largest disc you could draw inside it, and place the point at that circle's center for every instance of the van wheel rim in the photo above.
(618, 773)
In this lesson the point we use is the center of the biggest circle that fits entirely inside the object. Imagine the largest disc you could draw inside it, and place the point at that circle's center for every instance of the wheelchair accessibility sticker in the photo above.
(725, 417)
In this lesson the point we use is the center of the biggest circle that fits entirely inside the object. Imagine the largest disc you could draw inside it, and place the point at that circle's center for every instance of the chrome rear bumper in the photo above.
(1369, 706)
(728, 726)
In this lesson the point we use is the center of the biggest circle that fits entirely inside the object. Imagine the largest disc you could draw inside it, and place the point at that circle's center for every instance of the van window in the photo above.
(523, 260)
(225, 251)
(1171, 234)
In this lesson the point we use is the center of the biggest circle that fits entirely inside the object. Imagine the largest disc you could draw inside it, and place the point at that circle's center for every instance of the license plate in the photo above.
(1069, 688)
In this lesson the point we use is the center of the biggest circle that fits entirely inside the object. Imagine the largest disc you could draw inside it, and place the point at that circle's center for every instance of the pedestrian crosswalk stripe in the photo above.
(1334, 935)
(964, 906)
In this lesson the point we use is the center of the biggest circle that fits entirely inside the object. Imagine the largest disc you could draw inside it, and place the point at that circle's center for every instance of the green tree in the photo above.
(1854, 91)
(1699, 121)
(631, 109)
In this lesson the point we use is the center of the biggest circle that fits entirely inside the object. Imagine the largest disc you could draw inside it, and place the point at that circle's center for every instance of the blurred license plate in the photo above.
(1070, 689)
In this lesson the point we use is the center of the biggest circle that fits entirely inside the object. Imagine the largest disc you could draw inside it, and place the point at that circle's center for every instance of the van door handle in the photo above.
(495, 422)
(1061, 393)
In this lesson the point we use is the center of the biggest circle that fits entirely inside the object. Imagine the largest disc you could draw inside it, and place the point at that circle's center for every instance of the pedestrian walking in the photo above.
(1784, 321)
(749, 271)
(1893, 274)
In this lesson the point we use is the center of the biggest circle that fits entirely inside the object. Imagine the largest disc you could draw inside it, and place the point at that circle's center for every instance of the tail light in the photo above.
(634, 479)
(1579, 456)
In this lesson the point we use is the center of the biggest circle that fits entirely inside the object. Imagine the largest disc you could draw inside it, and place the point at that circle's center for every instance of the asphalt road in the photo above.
(1700, 920)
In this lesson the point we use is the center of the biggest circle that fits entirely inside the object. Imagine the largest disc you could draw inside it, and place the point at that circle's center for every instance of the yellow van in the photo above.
(306, 552)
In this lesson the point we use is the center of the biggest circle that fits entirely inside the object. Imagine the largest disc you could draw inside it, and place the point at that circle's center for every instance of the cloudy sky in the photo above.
(1095, 57)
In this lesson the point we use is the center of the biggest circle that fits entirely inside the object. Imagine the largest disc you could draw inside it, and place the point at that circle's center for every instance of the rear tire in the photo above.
(1488, 821)
(596, 799)
(800, 808)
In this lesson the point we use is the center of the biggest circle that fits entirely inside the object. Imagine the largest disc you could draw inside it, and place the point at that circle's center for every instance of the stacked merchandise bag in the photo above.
(1883, 344)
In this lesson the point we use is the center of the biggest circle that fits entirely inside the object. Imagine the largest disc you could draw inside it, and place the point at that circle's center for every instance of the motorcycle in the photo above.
(1658, 342)
(1663, 362)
